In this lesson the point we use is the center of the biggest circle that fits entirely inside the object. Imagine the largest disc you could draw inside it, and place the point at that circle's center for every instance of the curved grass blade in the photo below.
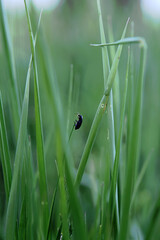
(5, 154)
(129, 40)
(13, 198)
(99, 114)
(39, 132)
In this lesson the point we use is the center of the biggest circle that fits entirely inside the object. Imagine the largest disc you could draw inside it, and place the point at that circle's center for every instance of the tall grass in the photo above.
(37, 208)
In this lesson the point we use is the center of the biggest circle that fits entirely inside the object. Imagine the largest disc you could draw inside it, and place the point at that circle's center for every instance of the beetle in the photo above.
(78, 122)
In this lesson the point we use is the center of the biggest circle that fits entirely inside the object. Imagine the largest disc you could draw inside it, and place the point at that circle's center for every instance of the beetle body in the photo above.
(78, 122)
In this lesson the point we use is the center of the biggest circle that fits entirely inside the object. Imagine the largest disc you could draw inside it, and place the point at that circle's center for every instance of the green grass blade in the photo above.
(70, 95)
(105, 59)
(15, 99)
(39, 132)
(116, 90)
(14, 196)
(6, 161)
(99, 114)
(116, 162)
(129, 40)
(133, 150)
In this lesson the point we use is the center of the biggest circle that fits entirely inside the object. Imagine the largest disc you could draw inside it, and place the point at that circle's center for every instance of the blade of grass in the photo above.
(98, 116)
(39, 132)
(15, 98)
(70, 98)
(105, 58)
(5, 154)
(133, 148)
(116, 91)
(116, 162)
(123, 41)
(13, 198)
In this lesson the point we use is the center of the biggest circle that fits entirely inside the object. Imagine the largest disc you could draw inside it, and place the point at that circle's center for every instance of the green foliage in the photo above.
(62, 183)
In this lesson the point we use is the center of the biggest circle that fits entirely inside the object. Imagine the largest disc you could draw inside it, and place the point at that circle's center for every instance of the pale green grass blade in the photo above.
(130, 93)
(39, 132)
(99, 114)
(15, 99)
(116, 162)
(5, 154)
(129, 40)
(70, 95)
(133, 149)
(105, 59)
(116, 90)
(14, 196)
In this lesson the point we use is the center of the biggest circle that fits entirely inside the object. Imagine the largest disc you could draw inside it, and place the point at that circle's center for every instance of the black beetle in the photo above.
(78, 122)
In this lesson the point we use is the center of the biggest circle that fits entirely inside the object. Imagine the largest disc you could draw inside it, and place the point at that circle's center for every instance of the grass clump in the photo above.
(55, 203)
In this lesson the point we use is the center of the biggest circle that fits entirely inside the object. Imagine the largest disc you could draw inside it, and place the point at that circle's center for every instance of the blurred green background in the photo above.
(68, 31)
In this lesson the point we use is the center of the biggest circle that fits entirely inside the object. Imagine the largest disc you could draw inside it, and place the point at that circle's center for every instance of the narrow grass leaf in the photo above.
(39, 132)
(5, 154)
(105, 58)
(129, 40)
(70, 95)
(15, 99)
(116, 162)
(116, 90)
(13, 198)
